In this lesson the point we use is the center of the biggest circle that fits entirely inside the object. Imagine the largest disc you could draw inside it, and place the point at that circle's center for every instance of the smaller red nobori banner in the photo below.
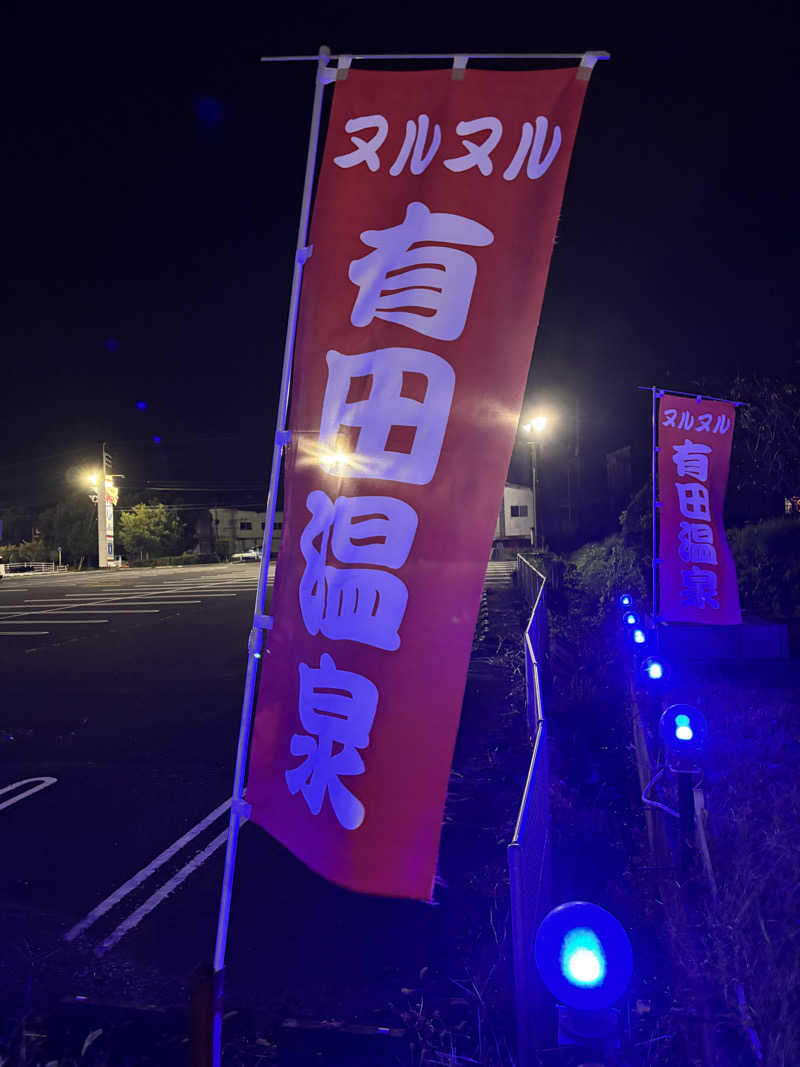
(697, 576)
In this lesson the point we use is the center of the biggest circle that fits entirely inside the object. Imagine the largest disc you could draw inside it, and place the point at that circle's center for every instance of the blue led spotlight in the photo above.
(626, 600)
(638, 636)
(630, 618)
(683, 729)
(583, 955)
(654, 668)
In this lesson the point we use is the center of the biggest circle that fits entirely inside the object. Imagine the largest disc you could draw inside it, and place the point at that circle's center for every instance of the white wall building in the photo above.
(229, 530)
(516, 515)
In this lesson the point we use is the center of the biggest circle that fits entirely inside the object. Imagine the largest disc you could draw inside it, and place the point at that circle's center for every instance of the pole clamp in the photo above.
(241, 808)
(282, 438)
(459, 68)
(303, 254)
(263, 622)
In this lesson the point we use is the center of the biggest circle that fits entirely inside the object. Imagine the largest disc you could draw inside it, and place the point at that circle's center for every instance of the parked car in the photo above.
(251, 555)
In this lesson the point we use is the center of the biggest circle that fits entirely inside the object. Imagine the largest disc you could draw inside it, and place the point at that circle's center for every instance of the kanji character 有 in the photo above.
(693, 501)
(414, 146)
(356, 603)
(477, 155)
(336, 708)
(408, 270)
(699, 589)
(532, 145)
(696, 543)
(365, 151)
(382, 409)
(691, 460)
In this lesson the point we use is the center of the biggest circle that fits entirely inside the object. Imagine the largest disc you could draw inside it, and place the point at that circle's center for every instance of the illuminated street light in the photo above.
(535, 428)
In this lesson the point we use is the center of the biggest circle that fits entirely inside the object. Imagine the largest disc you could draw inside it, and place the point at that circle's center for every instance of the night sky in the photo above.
(153, 173)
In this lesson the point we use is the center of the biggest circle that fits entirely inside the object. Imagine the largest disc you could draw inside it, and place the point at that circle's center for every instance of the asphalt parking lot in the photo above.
(120, 697)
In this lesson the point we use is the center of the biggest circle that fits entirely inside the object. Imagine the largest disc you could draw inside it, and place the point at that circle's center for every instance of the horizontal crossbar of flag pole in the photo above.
(445, 55)
(694, 396)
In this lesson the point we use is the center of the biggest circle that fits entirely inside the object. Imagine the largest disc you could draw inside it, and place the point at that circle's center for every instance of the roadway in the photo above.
(120, 696)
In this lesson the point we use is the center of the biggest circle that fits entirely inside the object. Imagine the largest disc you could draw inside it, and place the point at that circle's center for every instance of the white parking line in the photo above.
(155, 899)
(141, 876)
(44, 782)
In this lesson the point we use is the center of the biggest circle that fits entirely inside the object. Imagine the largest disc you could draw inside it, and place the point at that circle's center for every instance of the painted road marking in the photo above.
(44, 782)
(141, 876)
(50, 622)
(155, 899)
(23, 633)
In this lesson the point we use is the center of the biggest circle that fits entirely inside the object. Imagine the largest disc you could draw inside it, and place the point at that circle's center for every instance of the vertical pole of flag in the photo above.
(261, 622)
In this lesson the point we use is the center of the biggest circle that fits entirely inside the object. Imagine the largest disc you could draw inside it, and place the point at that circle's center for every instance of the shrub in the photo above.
(767, 557)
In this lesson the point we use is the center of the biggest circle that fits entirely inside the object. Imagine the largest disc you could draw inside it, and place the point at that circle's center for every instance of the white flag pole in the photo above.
(239, 808)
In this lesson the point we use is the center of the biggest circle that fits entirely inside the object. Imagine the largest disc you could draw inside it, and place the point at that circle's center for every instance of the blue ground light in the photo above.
(630, 618)
(141, 405)
(654, 669)
(583, 961)
(639, 637)
(625, 600)
(583, 955)
(683, 728)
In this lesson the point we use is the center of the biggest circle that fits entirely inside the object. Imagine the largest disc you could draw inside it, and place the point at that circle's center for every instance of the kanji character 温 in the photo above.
(696, 543)
(360, 604)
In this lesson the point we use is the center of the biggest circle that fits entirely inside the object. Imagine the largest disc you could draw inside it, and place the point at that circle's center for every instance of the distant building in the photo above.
(514, 523)
(229, 530)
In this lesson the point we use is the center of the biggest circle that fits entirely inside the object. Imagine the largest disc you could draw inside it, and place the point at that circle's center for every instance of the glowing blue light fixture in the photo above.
(639, 636)
(583, 962)
(625, 600)
(654, 669)
(583, 955)
(630, 618)
(683, 729)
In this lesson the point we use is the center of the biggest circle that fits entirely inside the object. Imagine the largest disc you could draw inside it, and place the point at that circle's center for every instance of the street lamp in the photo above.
(535, 429)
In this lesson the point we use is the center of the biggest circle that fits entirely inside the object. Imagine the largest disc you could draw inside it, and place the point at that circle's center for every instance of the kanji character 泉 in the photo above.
(693, 501)
(356, 603)
(365, 151)
(536, 164)
(696, 543)
(691, 460)
(414, 146)
(336, 708)
(409, 270)
(382, 409)
(699, 589)
(477, 155)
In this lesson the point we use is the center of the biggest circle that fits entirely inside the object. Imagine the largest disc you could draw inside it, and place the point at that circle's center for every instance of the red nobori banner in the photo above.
(697, 576)
(432, 230)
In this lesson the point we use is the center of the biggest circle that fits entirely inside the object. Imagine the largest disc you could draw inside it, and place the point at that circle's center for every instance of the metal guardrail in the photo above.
(33, 568)
(529, 849)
